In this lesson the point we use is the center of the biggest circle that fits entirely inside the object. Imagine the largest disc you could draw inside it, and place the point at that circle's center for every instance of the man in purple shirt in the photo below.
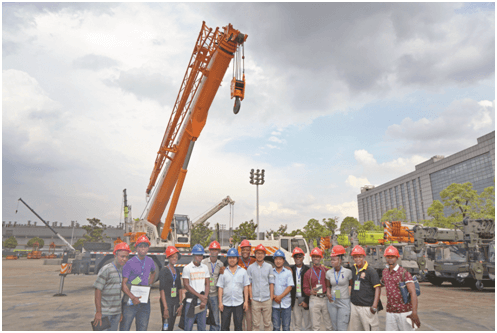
(138, 271)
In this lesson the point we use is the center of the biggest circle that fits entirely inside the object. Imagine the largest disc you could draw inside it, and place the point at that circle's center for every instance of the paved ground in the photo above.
(28, 287)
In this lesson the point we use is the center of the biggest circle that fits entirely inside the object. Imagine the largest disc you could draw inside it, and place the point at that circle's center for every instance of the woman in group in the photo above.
(170, 285)
(337, 281)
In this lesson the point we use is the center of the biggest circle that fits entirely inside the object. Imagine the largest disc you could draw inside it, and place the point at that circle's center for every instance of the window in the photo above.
(298, 242)
(452, 253)
(284, 244)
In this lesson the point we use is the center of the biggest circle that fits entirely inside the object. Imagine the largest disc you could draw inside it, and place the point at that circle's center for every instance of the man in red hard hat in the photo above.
(108, 288)
(214, 265)
(397, 310)
(365, 294)
(300, 320)
(315, 288)
(244, 262)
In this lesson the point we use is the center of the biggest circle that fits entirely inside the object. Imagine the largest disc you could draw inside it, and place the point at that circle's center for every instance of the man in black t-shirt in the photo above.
(170, 285)
(365, 295)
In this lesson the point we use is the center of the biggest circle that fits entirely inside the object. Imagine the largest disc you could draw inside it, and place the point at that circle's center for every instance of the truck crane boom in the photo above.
(226, 201)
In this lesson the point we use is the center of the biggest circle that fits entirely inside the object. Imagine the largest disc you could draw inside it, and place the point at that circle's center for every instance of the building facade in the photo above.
(416, 191)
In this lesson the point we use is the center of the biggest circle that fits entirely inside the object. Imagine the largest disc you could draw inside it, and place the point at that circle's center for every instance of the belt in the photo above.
(320, 296)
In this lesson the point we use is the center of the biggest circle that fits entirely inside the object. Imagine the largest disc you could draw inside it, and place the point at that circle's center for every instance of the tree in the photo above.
(40, 241)
(348, 223)
(370, 226)
(246, 229)
(10, 243)
(314, 230)
(201, 234)
(394, 215)
(277, 233)
(295, 232)
(487, 198)
(94, 232)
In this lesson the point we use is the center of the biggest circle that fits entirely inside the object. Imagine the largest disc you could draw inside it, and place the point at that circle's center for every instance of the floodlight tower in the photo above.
(257, 179)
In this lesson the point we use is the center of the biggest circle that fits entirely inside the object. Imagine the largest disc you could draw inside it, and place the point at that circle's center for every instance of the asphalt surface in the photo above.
(28, 303)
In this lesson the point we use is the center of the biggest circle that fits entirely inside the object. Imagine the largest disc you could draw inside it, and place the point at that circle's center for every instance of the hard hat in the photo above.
(260, 247)
(279, 253)
(142, 239)
(391, 251)
(198, 249)
(317, 252)
(358, 250)
(297, 250)
(172, 250)
(245, 243)
(337, 250)
(232, 253)
(121, 247)
(215, 246)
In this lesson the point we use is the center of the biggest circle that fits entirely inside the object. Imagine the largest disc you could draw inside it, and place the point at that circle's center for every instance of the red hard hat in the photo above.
(121, 247)
(317, 252)
(297, 250)
(391, 251)
(245, 243)
(171, 250)
(357, 250)
(142, 239)
(337, 250)
(260, 247)
(215, 246)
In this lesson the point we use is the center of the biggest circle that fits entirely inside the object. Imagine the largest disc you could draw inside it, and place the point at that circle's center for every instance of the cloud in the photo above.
(273, 209)
(275, 139)
(356, 182)
(456, 128)
(343, 210)
(272, 147)
(94, 62)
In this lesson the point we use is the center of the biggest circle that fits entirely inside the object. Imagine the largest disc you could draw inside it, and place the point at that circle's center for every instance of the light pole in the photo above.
(257, 178)
(222, 227)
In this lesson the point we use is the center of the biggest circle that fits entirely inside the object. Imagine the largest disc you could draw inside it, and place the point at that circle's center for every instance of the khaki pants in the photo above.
(247, 318)
(301, 319)
(398, 322)
(319, 313)
(361, 319)
(262, 311)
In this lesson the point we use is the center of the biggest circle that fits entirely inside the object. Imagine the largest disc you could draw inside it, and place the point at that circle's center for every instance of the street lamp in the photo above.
(257, 178)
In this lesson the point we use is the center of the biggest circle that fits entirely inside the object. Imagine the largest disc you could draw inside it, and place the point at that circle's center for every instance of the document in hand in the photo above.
(143, 291)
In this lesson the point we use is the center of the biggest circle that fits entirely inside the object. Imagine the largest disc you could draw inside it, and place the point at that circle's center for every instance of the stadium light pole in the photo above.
(257, 178)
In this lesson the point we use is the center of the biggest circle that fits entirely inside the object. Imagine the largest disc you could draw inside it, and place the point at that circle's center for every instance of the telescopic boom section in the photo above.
(211, 57)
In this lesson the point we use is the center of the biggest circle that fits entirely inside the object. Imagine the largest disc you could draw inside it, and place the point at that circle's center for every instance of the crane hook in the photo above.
(237, 105)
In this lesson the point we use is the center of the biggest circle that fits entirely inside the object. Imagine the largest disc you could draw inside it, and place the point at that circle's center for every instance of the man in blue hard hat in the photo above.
(282, 301)
(196, 279)
(233, 292)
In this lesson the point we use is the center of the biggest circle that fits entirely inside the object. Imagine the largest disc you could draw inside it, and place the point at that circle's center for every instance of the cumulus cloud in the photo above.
(356, 182)
(345, 209)
(277, 140)
(94, 62)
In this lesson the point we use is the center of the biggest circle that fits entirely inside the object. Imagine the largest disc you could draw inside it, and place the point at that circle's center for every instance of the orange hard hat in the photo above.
(260, 247)
(215, 246)
(171, 250)
(337, 250)
(121, 247)
(391, 251)
(245, 243)
(357, 250)
(142, 239)
(317, 252)
(297, 250)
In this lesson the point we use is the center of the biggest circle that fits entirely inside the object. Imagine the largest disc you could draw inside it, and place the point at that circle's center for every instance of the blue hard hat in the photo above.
(279, 253)
(232, 253)
(198, 249)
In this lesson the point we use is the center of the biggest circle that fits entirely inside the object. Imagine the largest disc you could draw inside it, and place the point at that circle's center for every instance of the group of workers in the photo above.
(254, 292)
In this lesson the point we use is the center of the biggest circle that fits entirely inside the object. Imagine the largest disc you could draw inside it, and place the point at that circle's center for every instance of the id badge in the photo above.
(319, 288)
(173, 292)
(337, 293)
(357, 285)
(136, 280)
(299, 289)
(213, 283)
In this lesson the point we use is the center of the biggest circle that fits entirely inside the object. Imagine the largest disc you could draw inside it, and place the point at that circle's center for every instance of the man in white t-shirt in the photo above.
(196, 281)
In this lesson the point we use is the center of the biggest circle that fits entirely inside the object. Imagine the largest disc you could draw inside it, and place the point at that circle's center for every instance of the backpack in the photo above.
(406, 297)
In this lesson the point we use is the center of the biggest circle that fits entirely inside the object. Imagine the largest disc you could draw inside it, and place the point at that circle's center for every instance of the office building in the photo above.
(416, 191)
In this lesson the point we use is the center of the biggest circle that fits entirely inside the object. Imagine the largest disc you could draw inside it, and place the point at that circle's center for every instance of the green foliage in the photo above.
(394, 215)
(295, 232)
(314, 230)
(94, 233)
(370, 226)
(487, 203)
(277, 233)
(10, 243)
(348, 223)
(40, 241)
(247, 229)
(79, 244)
(201, 234)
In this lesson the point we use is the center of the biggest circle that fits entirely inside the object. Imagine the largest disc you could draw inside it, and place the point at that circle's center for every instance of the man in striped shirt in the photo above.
(108, 288)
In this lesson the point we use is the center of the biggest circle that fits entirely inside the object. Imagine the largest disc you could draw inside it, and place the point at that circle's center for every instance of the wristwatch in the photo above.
(374, 309)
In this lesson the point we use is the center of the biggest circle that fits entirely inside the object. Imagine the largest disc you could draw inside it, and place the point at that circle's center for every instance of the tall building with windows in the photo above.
(416, 191)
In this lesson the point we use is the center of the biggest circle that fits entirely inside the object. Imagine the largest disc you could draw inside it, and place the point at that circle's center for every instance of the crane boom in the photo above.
(210, 59)
(214, 210)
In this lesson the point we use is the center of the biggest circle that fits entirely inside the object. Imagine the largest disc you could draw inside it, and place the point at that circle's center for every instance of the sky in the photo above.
(338, 96)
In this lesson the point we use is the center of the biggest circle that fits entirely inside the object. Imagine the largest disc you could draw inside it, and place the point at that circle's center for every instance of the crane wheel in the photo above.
(236, 108)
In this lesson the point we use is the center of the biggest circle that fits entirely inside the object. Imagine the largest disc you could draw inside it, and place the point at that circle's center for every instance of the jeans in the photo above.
(282, 317)
(114, 322)
(172, 316)
(215, 312)
(140, 311)
(201, 318)
(339, 311)
(237, 312)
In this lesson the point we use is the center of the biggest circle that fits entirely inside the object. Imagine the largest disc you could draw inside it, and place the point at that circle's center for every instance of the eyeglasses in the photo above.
(298, 256)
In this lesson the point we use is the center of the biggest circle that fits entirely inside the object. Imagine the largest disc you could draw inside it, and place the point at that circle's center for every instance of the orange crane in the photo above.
(209, 61)
(35, 254)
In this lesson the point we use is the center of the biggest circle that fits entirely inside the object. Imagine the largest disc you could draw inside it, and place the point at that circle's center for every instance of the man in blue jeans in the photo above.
(282, 301)
(215, 266)
(138, 271)
(196, 279)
